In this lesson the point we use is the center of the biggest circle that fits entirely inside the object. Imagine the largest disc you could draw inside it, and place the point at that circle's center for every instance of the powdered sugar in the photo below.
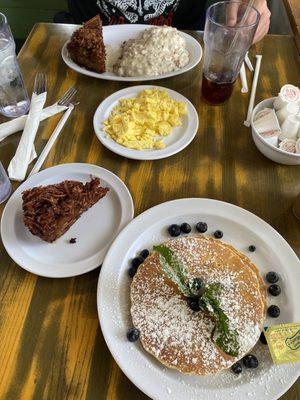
(175, 334)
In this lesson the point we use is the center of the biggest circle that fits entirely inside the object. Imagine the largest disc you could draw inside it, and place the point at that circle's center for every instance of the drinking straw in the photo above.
(248, 62)
(253, 90)
(241, 23)
(243, 79)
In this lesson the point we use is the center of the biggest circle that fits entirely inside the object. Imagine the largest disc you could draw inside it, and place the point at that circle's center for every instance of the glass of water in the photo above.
(14, 99)
(229, 31)
(5, 185)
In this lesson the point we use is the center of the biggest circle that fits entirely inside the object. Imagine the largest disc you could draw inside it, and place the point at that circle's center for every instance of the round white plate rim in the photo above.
(169, 207)
(138, 27)
(179, 145)
(128, 212)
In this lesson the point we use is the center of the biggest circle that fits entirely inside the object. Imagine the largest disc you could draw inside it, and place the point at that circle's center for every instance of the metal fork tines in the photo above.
(39, 83)
(67, 97)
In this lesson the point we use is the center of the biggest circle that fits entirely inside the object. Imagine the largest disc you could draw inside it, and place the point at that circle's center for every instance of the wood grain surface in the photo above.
(51, 342)
(293, 10)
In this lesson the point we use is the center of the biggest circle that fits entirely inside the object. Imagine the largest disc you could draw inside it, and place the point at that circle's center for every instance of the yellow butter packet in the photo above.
(284, 343)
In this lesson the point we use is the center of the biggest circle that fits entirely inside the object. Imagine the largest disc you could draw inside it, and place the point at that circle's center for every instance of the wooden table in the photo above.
(51, 342)
(293, 10)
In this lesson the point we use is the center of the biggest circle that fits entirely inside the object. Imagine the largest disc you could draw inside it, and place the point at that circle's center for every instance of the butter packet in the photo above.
(284, 343)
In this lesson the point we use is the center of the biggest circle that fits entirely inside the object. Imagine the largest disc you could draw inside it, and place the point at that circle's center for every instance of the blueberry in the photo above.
(237, 368)
(252, 248)
(250, 361)
(272, 277)
(133, 334)
(132, 271)
(185, 227)
(144, 253)
(274, 290)
(201, 227)
(174, 230)
(137, 261)
(197, 285)
(193, 303)
(262, 338)
(274, 311)
(218, 234)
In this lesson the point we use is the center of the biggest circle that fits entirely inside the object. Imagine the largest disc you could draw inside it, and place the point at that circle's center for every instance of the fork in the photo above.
(67, 101)
(67, 97)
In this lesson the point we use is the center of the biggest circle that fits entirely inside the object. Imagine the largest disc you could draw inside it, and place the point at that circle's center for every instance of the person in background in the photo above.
(182, 14)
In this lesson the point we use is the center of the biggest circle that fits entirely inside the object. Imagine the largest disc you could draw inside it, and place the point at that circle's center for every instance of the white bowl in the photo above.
(271, 152)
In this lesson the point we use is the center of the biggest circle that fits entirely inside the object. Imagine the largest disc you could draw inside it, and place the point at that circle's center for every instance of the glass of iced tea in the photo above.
(229, 30)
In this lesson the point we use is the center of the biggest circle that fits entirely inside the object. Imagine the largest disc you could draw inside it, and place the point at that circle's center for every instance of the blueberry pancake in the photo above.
(184, 338)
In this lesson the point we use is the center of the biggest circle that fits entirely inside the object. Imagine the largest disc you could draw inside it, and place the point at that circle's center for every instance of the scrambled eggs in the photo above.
(140, 122)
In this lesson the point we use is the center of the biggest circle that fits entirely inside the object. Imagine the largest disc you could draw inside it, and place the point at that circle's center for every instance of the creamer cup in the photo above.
(288, 145)
(271, 137)
(280, 102)
(267, 123)
(288, 109)
(289, 128)
(288, 94)
(262, 113)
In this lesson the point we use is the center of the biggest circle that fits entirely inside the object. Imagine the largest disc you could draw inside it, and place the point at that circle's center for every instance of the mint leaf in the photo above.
(224, 338)
(228, 343)
(173, 269)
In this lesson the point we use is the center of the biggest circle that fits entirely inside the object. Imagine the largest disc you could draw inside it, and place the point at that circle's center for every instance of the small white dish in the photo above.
(94, 230)
(115, 35)
(241, 229)
(268, 150)
(180, 137)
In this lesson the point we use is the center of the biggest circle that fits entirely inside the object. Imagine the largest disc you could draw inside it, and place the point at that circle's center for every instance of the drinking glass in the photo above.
(5, 185)
(14, 99)
(229, 30)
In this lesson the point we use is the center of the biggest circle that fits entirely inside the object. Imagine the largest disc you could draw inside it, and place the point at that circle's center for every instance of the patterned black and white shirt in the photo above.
(138, 11)
(184, 14)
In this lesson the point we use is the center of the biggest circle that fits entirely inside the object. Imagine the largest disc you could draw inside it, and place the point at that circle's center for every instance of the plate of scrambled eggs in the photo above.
(146, 122)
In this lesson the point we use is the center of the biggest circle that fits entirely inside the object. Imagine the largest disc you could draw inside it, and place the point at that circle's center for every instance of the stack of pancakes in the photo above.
(181, 338)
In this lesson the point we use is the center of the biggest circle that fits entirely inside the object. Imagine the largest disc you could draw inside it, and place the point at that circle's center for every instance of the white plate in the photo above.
(241, 228)
(180, 137)
(94, 230)
(115, 35)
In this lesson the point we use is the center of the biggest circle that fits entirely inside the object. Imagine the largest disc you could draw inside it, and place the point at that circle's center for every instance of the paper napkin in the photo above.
(18, 166)
(17, 124)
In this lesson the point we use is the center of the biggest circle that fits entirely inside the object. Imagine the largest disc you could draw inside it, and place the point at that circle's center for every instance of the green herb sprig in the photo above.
(223, 337)
(174, 270)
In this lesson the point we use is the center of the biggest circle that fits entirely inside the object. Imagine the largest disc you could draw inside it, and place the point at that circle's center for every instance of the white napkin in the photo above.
(18, 165)
(17, 124)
